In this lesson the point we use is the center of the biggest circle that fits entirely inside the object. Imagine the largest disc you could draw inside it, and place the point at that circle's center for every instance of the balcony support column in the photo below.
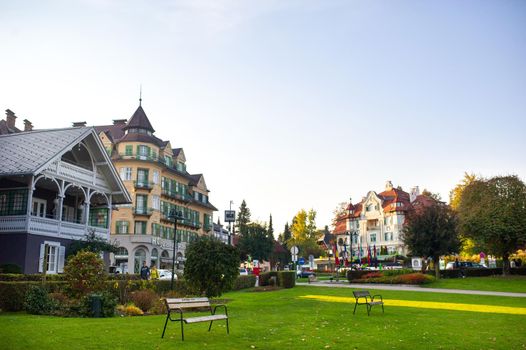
(29, 208)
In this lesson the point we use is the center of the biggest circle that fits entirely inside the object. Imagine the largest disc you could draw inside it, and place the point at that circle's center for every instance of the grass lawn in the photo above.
(285, 319)
(515, 284)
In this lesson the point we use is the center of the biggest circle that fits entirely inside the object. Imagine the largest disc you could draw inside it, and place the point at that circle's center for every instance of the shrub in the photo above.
(34, 277)
(243, 282)
(397, 272)
(130, 310)
(287, 279)
(264, 278)
(84, 274)
(355, 274)
(38, 301)
(144, 299)
(372, 275)
(413, 278)
(107, 300)
(13, 294)
(10, 268)
(180, 287)
(211, 266)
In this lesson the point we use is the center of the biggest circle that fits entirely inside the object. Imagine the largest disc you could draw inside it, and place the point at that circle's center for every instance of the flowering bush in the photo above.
(413, 278)
(130, 310)
(372, 275)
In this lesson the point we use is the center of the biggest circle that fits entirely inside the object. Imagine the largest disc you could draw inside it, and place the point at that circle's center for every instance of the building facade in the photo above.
(156, 176)
(375, 223)
(56, 186)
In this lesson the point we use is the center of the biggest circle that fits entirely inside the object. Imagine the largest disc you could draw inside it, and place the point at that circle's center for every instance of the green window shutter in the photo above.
(128, 150)
(138, 150)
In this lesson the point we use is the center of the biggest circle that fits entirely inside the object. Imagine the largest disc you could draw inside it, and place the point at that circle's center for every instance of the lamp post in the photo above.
(175, 215)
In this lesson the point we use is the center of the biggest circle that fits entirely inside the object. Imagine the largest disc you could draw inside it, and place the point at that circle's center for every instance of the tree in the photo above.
(286, 233)
(243, 217)
(456, 193)
(256, 242)
(299, 226)
(304, 233)
(493, 213)
(469, 247)
(211, 266)
(311, 224)
(92, 243)
(270, 229)
(431, 231)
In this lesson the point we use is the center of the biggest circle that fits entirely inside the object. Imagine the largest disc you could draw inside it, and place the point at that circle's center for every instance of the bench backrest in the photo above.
(187, 303)
(361, 293)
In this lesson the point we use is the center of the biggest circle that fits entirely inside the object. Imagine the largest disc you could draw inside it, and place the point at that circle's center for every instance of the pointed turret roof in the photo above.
(139, 120)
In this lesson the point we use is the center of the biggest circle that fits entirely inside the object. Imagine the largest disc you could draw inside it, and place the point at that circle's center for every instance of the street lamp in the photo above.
(176, 216)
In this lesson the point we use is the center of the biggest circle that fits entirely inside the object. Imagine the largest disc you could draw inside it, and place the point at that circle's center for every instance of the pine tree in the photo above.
(270, 229)
(243, 218)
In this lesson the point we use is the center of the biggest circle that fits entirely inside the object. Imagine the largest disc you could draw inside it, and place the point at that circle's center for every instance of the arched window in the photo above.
(140, 256)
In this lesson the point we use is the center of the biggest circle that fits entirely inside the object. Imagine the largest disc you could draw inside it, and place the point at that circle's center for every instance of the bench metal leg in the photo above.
(182, 331)
(356, 304)
(165, 323)
(227, 331)
(210, 327)
(382, 308)
(368, 309)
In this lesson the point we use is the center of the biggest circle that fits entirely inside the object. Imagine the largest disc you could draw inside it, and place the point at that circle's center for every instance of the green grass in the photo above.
(282, 320)
(516, 284)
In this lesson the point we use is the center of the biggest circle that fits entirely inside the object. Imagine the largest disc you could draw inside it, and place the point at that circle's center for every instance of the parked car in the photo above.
(305, 273)
(166, 275)
(464, 265)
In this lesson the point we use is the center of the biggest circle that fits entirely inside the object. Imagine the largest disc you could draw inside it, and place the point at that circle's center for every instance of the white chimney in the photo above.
(415, 192)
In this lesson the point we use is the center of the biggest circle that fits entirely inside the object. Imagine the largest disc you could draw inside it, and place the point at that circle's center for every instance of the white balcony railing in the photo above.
(48, 227)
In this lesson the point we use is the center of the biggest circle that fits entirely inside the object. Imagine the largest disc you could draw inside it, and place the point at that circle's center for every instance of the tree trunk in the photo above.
(436, 263)
(505, 264)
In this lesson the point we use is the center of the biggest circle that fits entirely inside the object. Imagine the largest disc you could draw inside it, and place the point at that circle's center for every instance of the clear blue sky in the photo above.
(287, 104)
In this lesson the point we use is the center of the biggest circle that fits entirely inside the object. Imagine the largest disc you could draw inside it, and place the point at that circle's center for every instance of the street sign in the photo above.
(230, 216)
(294, 250)
(301, 261)
(294, 257)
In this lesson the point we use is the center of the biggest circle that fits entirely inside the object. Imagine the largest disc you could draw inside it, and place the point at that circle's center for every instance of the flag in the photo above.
(336, 260)
(368, 255)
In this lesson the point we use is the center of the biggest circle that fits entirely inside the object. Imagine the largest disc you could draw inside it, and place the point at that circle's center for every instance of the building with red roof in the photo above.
(376, 222)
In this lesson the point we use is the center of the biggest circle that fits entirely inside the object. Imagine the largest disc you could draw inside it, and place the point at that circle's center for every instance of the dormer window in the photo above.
(139, 131)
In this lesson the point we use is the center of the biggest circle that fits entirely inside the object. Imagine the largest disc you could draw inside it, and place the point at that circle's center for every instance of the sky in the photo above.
(286, 104)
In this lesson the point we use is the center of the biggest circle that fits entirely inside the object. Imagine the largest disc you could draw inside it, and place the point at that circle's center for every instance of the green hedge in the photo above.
(287, 279)
(243, 282)
(35, 277)
(10, 268)
(13, 294)
(264, 278)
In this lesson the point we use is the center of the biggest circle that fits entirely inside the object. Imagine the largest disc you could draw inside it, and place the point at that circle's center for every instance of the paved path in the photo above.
(408, 288)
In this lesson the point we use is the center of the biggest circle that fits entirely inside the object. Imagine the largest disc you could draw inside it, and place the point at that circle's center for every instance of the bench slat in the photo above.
(186, 300)
(205, 318)
(188, 305)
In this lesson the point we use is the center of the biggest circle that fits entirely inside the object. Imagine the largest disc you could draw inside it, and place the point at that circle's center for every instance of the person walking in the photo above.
(154, 273)
(145, 271)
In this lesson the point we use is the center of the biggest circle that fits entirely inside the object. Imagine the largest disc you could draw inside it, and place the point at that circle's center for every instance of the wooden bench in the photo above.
(369, 300)
(197, 305)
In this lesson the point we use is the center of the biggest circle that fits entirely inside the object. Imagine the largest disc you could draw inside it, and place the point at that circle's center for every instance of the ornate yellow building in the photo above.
(156, 177)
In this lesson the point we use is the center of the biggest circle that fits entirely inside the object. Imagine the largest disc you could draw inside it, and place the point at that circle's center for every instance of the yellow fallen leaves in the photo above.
(429, 305)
